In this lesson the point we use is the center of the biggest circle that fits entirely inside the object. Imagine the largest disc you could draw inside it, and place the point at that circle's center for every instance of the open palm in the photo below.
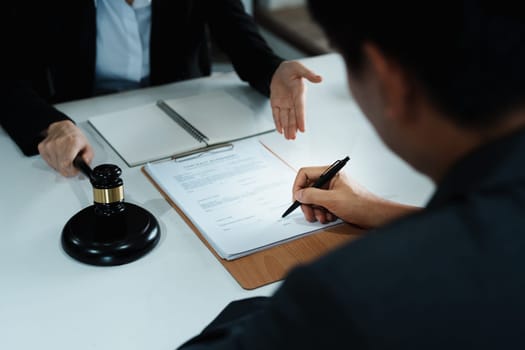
(287, 97)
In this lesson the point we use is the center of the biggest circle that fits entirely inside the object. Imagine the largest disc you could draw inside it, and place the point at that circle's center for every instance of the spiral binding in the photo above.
(193, 131)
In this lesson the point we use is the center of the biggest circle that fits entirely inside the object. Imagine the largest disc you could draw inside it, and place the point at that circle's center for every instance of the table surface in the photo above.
(48, 300)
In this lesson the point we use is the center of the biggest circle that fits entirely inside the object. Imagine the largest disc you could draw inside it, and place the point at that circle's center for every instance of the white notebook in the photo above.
(175, 127)
(235, 197)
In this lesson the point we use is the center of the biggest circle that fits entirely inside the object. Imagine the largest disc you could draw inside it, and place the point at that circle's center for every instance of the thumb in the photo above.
(312, 195)
(310, 75)
(87, 154)
(299, 69)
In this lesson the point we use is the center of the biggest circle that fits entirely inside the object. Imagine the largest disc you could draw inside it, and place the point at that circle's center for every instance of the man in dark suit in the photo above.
(443, 83)
(66, 50)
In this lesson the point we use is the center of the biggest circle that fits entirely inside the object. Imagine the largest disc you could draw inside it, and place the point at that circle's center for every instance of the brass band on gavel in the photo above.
(108, 195)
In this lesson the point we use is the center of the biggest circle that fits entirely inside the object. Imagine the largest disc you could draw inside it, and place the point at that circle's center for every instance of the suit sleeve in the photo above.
(26, 115)
(237, 35)
(301, 315)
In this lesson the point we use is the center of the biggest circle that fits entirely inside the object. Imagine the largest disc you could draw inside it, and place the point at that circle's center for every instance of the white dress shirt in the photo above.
(123, 38)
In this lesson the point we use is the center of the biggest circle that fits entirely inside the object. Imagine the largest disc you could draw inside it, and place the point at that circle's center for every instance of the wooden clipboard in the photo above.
(272, 264)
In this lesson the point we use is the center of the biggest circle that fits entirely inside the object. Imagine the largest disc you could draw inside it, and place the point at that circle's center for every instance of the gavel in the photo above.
(109, 232)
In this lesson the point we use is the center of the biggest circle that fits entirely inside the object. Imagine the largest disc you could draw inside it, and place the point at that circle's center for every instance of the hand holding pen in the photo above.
(324, 178)
(343, 198)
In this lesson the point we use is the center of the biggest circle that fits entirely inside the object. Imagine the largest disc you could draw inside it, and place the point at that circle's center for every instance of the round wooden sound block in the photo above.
(110, 240)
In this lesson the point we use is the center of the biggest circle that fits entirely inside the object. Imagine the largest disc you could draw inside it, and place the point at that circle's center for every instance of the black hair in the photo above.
(469, 56)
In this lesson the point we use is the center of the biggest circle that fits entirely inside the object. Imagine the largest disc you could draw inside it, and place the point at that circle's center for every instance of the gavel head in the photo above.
(109, 232)
(108, 190)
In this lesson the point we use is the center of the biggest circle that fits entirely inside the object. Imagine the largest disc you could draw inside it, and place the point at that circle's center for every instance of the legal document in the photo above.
(235, 196)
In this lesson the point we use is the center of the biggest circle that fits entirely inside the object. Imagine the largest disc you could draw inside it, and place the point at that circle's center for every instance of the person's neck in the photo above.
(450, 143)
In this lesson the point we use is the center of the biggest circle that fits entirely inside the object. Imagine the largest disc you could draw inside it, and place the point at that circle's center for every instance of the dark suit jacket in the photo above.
(450, 277)
(51, 54)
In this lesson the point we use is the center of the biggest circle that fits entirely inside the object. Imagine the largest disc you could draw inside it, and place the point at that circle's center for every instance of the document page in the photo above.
(235, 196)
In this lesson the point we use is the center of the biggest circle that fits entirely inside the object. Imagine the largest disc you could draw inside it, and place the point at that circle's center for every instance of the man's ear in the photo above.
(393, 82)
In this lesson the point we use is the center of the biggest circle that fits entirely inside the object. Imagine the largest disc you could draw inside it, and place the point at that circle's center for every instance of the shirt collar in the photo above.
(136, 3)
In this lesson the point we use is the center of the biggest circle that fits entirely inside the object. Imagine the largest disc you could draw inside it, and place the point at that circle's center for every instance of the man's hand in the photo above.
(287, 97)
(345, 199)
(63, 142)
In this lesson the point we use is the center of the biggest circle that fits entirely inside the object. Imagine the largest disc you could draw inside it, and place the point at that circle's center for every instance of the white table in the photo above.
(50, 301)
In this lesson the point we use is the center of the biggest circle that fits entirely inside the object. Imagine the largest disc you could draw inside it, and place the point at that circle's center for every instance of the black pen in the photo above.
(323, 179)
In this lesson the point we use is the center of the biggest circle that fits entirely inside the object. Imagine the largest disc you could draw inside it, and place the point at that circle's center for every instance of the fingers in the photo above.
(299, 99)
(305, 177)
(313, 200)
(299, 104)
(284, 119)
(314, 213)
(59, 154)
(287, 97)
(63, 142)
(308, 212)
(88, 154)
(289, 123)
(48, 156)
(65, 156)
(313, 196)
(323, 216)
(277, 120)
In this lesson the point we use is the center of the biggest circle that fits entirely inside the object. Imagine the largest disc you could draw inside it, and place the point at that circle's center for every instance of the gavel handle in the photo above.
(79, 163)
